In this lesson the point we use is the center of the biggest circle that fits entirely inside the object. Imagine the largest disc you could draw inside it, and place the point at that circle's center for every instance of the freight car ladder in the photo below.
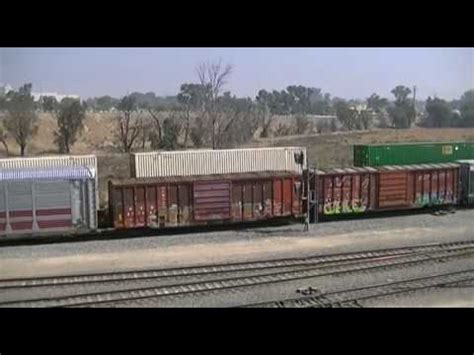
(310, 197)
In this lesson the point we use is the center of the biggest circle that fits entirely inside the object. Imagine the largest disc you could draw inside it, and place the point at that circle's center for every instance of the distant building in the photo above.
(359, 107)
(38, 95)
(5, 89)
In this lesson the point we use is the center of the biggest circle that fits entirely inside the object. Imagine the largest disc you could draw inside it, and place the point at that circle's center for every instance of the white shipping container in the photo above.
(88, 161)
(210, 162)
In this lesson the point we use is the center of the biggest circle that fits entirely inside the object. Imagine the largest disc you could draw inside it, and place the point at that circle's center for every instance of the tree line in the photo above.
(204, 114)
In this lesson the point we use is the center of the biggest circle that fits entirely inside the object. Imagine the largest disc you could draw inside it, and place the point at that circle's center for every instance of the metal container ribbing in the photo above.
(88, 161)
(211, 162)
(411, 153)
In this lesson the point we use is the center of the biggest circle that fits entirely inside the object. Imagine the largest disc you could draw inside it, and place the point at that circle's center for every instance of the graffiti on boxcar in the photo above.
(336, 207)
(347, 195)
(427, 200)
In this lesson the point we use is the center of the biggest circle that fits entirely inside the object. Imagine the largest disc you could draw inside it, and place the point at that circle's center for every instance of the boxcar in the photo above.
(359, 190)
(47, 200)
(411, 153)
(467, 182)
(199, 200)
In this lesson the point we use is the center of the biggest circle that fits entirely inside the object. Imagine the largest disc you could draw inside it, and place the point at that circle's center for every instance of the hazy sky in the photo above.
(343, 72)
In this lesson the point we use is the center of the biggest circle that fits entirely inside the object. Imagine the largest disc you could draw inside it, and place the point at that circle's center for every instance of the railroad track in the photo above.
(336, 266)
(225, 268)
(352, 297)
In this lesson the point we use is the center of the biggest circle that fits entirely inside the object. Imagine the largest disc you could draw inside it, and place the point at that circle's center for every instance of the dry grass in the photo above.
(332, 150)
(325, 150)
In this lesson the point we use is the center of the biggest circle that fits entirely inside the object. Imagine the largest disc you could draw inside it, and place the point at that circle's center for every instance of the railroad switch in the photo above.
(307, 291)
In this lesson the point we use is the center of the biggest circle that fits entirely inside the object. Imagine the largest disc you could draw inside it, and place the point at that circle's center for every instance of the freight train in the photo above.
(59, 195)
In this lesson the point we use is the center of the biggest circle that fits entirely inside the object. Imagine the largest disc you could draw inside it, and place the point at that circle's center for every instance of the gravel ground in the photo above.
(233, 245)
(454, 297)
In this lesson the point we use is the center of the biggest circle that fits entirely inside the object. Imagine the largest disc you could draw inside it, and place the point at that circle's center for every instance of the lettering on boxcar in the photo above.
(447, 150)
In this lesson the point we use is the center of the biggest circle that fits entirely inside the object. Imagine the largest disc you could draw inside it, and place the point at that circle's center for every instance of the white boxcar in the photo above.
(87, 161)
(47, 200)
(210, 162)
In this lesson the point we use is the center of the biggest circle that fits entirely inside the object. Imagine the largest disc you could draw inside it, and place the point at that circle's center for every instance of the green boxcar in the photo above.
(467, 182)
(411, 153)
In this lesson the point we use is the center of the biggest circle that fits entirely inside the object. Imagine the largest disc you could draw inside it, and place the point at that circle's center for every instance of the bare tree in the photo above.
(213, 77)
(129, 124)
(3, 140)
(156, 132)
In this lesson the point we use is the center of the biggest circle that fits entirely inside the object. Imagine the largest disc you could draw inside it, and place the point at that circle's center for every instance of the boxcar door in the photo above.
(212, 200)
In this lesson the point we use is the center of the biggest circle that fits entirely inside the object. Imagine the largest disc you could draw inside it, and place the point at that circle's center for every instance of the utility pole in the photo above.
(414, 104)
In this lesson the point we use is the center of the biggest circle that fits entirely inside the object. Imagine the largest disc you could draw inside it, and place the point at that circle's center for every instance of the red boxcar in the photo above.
(197, 200)
(359, 190)
(416, 186)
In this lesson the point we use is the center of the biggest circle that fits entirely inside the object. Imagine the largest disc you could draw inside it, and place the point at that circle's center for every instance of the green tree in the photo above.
(467, 108)
(191, 99)
(346, 116)
(302, 123)
(70, 117)
(171, 131)
(21, 118)
(376, 103)
(48, 103)
(364, 119)
(439, 113)
(105, 103)
(402, 113)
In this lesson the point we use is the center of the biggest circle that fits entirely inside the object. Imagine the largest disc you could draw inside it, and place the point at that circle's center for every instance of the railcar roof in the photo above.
(63, 172)
(172, 179)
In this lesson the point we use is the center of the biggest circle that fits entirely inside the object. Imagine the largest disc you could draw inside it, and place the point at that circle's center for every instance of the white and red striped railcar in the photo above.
(47, 200)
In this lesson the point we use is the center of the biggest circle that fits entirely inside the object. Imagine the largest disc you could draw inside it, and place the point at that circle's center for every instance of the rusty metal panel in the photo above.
(287, 196)
(267, 198)
(140, 207)
(191, 179)
(151, 206)
(297, 196)
(435, 187)
(162, 198)
(129, 207)
(116, 206)
(212, 200)
(393, 189)
(257, 204)
(248, 201)
(173, 205)
(184, 206)
(211, 162)
(237, 203)
(346, 194)
(277, 197)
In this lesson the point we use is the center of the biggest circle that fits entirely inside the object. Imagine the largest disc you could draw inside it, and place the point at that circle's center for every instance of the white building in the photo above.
(37, 96)
(4, 89)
